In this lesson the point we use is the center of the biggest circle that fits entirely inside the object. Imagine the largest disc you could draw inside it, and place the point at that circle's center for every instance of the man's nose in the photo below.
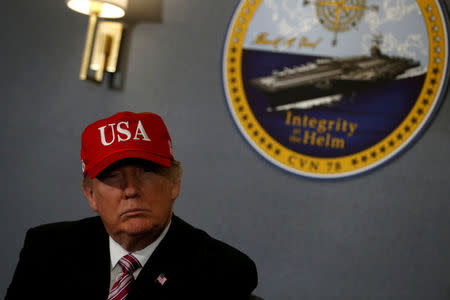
(131, 186)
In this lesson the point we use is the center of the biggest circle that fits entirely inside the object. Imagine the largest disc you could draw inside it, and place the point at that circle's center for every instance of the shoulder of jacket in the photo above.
(67, 228)
(211, 249)
(218, 259)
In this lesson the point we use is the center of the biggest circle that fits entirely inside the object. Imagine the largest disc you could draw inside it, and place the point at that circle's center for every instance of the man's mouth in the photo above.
(134, 212)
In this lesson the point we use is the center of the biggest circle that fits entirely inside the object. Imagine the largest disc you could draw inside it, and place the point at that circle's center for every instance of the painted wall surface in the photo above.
(383, 235)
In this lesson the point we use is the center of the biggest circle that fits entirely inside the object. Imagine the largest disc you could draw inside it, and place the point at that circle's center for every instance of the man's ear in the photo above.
(89, 193)
(175, 189)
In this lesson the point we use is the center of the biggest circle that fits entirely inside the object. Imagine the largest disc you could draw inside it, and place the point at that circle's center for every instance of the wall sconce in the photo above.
(107, 38)
(103, 55)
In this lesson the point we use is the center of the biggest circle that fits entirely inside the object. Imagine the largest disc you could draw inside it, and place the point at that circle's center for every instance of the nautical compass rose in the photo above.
(340, 15)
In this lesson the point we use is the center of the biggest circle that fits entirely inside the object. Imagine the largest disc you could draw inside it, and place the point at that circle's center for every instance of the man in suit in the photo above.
(136, 248)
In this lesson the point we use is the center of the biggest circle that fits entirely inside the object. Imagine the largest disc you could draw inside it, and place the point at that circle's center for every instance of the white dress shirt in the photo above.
(117, 252)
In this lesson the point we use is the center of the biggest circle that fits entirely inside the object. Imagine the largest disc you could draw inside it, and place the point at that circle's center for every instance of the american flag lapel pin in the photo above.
(161, 279)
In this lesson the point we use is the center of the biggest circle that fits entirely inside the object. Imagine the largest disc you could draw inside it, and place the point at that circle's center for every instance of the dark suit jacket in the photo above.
(70, 260)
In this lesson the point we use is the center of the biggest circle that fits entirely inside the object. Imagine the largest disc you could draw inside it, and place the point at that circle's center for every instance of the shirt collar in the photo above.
(117, 252)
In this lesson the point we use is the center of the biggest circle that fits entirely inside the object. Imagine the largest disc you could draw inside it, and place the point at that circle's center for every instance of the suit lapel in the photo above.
(161, 262)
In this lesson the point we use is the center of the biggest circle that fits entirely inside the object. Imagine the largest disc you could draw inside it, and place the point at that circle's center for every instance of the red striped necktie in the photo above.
(120, 289)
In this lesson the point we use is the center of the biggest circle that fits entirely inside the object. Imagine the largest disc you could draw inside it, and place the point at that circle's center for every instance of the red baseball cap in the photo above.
(125, 135)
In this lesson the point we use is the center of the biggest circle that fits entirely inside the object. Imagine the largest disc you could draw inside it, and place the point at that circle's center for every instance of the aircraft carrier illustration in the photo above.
(327, 80)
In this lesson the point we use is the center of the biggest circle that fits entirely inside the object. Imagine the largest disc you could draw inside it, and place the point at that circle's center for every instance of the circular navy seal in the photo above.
(330, 89)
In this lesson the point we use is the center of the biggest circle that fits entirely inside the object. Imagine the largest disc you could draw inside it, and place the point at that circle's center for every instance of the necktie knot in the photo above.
(129, 263)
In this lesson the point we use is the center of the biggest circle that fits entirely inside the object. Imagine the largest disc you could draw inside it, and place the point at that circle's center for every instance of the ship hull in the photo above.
(308, 92)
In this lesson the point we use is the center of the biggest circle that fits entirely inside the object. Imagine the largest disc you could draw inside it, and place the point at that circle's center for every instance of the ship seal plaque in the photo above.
(332, 89)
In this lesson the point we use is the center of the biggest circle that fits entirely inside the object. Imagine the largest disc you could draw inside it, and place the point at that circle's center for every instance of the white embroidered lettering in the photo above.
(123, 131)
(102, 135)
(141, 131)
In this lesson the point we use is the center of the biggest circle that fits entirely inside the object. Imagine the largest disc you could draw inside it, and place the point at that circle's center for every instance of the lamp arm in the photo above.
(93, 17)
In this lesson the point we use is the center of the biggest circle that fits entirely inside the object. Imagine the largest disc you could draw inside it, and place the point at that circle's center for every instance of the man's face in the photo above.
(134, 199)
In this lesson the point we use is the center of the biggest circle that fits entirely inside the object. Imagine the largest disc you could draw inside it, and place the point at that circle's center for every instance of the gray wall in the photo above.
(384, 235)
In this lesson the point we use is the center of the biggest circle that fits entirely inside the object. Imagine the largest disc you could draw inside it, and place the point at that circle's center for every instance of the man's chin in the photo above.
(137, 225)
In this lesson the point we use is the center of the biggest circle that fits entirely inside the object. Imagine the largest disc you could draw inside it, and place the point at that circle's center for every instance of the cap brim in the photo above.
(99, 167)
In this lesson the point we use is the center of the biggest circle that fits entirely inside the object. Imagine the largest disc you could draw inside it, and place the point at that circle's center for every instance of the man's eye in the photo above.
(112, 175)
(148, 169)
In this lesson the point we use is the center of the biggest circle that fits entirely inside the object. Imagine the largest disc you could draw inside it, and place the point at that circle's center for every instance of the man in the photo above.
(136, 248)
